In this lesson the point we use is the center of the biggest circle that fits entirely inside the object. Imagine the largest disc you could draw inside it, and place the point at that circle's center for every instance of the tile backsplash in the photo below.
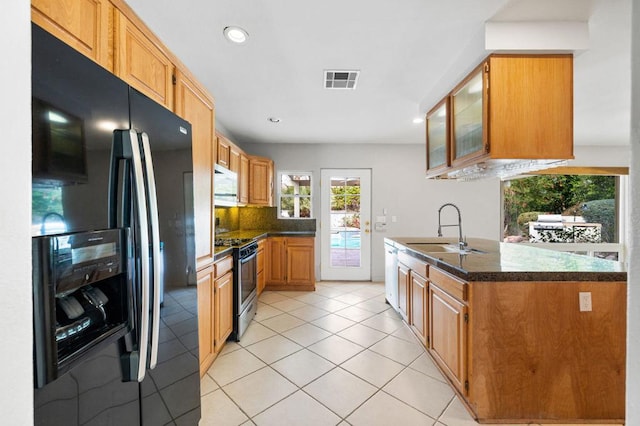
(261, 218)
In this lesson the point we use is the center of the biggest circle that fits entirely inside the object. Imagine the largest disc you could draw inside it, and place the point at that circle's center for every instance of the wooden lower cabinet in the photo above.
(534, 357)
(215, 310)
(404, 292)
(448, 335)
(260, 269)
(205, 291)
(290, 263)
(419, 306)
(522, 352)
(223, 310)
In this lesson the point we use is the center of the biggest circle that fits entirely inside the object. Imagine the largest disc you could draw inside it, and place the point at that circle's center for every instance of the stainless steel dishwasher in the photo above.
(391, 275)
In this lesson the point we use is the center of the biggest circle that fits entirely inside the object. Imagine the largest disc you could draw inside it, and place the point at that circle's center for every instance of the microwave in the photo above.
(225, 187)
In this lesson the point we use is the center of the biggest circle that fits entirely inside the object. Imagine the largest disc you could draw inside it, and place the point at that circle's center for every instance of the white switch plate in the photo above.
(381, 219)
(394, 219)
(585, 301)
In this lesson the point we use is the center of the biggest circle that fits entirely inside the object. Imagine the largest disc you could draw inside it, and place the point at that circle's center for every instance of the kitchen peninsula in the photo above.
(523, 334)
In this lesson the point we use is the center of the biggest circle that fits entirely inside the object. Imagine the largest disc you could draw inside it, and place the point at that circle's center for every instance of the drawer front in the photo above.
(223, 266)
(417, 266)
(453, 286)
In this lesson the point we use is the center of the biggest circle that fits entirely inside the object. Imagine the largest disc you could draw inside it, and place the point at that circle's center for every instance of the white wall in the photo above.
(601, 156)
(398, 184)
(633, 301)
(16, 386)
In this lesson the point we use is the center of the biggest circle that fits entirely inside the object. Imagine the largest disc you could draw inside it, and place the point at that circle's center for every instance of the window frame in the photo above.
(280, 195)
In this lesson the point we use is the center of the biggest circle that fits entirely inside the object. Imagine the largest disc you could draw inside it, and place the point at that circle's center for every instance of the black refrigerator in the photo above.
(115, 309)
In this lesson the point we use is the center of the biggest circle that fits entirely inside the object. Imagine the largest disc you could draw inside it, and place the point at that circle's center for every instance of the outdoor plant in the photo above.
(523, 222)
(604, 212)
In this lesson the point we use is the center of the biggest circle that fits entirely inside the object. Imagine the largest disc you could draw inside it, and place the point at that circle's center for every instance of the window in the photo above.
(294, 195)
(578, 213)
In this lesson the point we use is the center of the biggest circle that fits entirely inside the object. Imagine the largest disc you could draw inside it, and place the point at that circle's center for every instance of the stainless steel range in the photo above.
(245, 303)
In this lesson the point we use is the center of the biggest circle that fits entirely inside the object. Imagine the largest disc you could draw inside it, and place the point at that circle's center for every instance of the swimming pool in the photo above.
(346, 239)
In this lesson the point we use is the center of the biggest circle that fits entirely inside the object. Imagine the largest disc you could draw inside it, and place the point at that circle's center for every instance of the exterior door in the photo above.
(346, 224)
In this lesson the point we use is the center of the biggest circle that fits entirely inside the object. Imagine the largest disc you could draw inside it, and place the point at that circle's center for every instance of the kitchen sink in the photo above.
(444, 248)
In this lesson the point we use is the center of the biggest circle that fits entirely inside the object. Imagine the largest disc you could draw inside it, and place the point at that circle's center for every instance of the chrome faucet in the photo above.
(462, 243)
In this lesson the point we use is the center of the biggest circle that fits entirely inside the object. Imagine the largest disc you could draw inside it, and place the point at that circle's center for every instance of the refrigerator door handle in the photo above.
(155, 247)
(141, 206)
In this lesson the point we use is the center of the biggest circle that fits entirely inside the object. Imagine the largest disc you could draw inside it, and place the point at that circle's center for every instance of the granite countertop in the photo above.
(223, 251)
(261, 233)
(509, 261)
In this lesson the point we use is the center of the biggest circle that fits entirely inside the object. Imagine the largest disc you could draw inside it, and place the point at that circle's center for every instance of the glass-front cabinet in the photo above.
(468, 110)
(438, 137)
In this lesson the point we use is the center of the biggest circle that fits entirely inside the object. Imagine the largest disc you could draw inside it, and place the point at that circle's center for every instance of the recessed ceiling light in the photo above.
(273, 120)
(235, 34)
(418, 120)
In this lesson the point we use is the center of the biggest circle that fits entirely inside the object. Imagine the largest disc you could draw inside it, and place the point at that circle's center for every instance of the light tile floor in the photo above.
(336, 356)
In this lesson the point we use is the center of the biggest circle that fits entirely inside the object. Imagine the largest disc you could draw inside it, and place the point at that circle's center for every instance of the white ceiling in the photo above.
(409, 53)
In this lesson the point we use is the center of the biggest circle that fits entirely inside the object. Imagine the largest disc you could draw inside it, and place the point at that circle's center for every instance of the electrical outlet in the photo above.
(585, 301)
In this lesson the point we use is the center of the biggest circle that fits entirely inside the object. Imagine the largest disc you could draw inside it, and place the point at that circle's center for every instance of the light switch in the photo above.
(394, 219)
(381, 219)
(585, 301)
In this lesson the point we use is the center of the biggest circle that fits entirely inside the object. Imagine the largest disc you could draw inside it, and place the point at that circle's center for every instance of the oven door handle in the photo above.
(248, 258)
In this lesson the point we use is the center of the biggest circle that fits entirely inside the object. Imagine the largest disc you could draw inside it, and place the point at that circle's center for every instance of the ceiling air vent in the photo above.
(340, 79)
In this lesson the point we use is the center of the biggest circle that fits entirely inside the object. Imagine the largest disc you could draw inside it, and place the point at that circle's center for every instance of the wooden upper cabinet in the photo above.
(243, 180)
(141, 63)
(85, 25)
(196, 106)
(531, 106)
(511, 107)
(437, 123)
(234, 158)
(469, 127)
(260, 181)
(224, 151)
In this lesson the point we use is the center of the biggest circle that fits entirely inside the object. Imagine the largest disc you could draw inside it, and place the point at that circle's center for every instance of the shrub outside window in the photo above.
(294, 195)
(567, 209)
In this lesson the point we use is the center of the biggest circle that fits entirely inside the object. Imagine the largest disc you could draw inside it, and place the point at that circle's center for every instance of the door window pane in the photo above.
(345, 222)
